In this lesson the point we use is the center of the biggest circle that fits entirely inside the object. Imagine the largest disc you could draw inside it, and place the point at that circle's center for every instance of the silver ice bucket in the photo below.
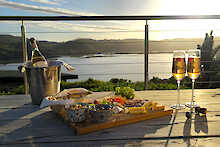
(43, 81)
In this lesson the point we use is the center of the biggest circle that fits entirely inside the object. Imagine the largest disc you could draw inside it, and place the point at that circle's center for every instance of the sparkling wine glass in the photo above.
(179, 72)
(193, 71)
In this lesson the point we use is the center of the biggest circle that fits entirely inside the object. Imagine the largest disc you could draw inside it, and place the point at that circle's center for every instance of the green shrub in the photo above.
(90, 84)
(6, 93)
(12, 91)
(138, 86)
(19, 90)
(98, 85)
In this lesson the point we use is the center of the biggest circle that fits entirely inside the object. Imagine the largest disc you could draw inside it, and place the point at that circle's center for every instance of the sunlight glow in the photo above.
(169, 29)
(187, 7)
(158, 29)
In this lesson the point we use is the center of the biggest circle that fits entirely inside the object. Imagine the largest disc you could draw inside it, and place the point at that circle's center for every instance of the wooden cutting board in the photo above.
(115, 121)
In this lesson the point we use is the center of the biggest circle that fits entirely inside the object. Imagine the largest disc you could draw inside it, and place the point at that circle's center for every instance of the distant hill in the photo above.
(11, 49)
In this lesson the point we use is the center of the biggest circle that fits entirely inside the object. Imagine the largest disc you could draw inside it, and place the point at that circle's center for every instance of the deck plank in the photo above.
(24, 125)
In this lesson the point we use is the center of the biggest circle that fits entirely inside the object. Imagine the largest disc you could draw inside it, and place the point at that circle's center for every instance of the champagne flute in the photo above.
(178, 71)
(193, 71)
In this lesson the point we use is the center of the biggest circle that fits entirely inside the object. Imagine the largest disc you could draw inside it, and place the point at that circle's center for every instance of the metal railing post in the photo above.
(146, 52)
(24, 48)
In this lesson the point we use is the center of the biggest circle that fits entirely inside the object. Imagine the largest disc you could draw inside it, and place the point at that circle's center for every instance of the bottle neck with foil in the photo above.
(37, 59)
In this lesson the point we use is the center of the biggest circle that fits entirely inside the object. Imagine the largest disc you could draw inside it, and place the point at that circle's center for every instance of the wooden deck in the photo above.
(25, 125)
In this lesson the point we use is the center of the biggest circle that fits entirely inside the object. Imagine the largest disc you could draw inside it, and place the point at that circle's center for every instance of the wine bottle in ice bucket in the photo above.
(37, 59)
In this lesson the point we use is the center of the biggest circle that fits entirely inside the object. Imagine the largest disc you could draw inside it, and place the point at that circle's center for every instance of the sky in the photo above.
(70, 30)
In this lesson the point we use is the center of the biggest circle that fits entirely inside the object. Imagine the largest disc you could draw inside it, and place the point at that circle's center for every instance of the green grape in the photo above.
(117, 91)
(125, 92)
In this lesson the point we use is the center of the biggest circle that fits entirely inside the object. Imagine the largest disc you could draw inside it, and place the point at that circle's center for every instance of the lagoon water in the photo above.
(126, 66)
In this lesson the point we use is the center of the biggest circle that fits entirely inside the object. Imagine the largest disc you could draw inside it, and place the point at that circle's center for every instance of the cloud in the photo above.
(64, 31)
(54, 2)
(23, 6)
(71, 27)
(79, 27)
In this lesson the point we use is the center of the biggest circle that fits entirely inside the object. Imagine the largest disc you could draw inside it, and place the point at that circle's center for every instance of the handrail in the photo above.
(111, 18)
(99, 18)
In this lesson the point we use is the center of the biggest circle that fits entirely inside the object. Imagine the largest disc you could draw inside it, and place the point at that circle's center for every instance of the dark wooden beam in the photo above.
(16, 76)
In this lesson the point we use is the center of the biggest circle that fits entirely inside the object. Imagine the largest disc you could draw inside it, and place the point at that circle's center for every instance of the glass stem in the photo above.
(192, 101)
(193, 84)
(178, 91)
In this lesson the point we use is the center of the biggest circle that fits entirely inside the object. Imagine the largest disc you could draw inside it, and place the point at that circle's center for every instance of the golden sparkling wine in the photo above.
(193, 68)
(179, 68)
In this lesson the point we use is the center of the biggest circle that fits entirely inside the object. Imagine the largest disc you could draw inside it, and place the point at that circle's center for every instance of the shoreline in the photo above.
(18, 61)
